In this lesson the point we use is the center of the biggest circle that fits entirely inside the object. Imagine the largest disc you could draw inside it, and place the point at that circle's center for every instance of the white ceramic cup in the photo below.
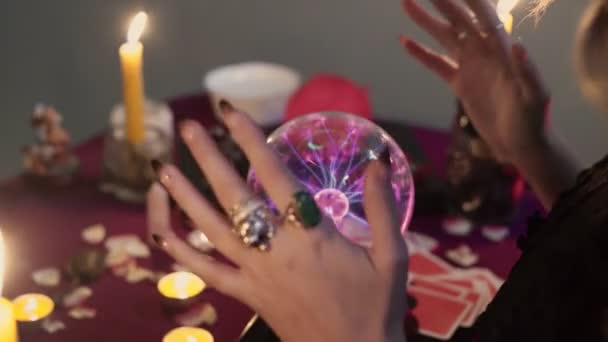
(260, 89)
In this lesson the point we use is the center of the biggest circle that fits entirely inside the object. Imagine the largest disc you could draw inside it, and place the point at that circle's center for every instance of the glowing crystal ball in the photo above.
(328, 152)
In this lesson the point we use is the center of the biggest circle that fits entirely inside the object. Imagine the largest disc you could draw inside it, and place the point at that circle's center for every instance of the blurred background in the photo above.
(64, 53)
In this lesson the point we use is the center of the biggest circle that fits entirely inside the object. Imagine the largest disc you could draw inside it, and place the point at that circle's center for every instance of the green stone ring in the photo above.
(303, 211)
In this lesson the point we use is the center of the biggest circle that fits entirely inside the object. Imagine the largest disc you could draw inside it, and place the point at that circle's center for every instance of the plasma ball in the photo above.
(328, 154)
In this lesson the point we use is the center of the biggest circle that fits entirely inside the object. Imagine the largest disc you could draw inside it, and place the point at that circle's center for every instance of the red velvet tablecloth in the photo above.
(42, 229)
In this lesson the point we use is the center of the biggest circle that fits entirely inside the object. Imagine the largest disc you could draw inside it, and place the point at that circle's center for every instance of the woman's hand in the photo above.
(498, 85)
(312, 284)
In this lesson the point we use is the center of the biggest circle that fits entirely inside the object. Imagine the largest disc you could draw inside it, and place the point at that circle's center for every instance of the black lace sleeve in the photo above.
(558, 290)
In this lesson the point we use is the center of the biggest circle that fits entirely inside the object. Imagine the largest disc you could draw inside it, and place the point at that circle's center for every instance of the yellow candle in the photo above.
(32, 307)
(180, 285)
(507, 20)
(8, 325)
(186, 334)
(131, 60)
(504, 8)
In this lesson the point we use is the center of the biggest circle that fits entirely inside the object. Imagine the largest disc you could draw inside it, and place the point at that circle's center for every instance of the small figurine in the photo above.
(50, 156)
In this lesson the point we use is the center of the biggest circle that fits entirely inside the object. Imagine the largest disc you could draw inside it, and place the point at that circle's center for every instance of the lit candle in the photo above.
(8, 325)
(131, 56)
(504, 8)
(186, 334)
(32, 307)
(180, 285)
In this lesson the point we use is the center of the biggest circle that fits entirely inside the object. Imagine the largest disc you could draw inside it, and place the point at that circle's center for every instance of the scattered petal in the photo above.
(117, 258)
(94, 234)
(138, 274)
(48, 277)
(123, 269)
(82, 312)
(118, 242)
(422, 241)
(52, 326)
(457, 226)
(495, 233)
(77, 296)
(137, 249)
(463, 256)
(209, 315)
(198, 315)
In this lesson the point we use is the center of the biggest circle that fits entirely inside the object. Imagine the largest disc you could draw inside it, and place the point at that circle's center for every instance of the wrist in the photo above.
(536, 148)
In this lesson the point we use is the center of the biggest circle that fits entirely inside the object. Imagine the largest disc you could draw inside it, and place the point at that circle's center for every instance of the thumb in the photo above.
(389, 249)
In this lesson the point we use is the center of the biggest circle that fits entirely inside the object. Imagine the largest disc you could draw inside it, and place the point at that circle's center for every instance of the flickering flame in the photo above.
(136, 29)
(504, 7)
(181, 284)
(30, 306)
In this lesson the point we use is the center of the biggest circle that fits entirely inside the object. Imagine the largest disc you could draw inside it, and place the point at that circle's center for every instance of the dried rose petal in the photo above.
(137, 249)
(138, 274)
(495, 233)
(52, 326)
(82, 312)
(117, 258)
(458, 226)
(198, 315)
(94, 234)
(123, 269)
(463, 256)
(118, 242)
(77, 296)
(209, 314)
(48, 277)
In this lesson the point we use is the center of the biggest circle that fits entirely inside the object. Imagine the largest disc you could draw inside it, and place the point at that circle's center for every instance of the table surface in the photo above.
(42, 229)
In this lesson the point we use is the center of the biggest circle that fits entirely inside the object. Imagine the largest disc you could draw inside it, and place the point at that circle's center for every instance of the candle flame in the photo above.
(2, 262)
(137, 26)
(181, 284)
(504, 7)
(30, 306)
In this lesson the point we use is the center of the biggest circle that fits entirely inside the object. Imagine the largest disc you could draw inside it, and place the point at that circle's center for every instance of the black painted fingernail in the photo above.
(156, 165)
(226, 107)
(385, 156)
(159, 241)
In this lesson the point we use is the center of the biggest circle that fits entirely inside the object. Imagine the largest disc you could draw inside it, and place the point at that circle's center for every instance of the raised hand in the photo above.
(497, 83)
(499, 87)
(310, 284)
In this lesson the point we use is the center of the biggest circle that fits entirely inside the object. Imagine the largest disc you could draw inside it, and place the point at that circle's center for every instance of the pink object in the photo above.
(328, 92)
(328, 153)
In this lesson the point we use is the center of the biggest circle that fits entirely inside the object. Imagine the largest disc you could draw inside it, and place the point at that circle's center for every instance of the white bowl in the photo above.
(260, 89)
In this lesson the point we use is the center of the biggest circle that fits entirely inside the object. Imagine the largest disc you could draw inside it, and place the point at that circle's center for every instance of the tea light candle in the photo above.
(8, 324)
(32, 307)
(186, 334)
(180, 285)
